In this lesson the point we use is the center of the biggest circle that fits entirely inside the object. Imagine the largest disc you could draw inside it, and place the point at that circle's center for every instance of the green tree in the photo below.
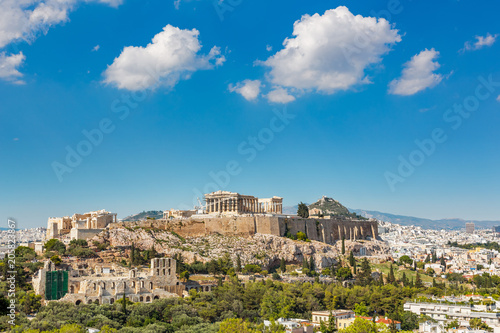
(391, 278)
(352, 261)
(238, 263)
(184, 276)
(56, 260)
(343, 245)
(301, 236)
(343, 273)
(405, 260)
(427, 259)
(312, 265)
(235, 325)
(418, 281)
(282, 265)
(55, 245)
(364, 276)
(302, 210)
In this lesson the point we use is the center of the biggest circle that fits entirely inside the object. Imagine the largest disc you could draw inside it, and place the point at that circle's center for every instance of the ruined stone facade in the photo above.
(232, 203)
(106, 284)
(79, 226)
(324, 230)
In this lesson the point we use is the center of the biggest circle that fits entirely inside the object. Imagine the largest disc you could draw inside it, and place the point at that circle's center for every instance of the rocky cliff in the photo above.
(263, 249)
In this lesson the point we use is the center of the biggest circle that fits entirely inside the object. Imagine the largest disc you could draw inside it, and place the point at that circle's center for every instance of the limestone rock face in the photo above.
(263, 249)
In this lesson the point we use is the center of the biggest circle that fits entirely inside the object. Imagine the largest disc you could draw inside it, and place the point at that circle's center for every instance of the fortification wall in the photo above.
(324, 230)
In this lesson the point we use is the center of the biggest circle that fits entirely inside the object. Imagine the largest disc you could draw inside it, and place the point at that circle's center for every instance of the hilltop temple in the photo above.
(232, 203)
(79, 226)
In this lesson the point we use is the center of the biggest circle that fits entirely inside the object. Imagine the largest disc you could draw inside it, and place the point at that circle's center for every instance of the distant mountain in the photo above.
(452, 223)
(290, 210)
(157, 214)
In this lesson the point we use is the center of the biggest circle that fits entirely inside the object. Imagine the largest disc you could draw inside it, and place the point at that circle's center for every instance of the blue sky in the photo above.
(333, 111)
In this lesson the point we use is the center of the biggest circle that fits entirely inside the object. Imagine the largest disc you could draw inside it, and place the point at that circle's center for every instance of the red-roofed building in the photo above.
(383, 320)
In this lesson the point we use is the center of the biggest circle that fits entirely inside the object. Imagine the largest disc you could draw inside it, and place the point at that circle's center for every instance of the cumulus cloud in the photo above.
(280, 95)
(418, 74)
(172, 55)
(480, 42)
(249, 89)
(9, 67)
(331, 52)
(26, 19)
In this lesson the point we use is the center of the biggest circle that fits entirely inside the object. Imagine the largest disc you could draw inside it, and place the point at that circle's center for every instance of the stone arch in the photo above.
(141, 299)
(124, 285)
(151, 285)
(148, 299)
(206, 288)
(112, 285)
(156, 297)
(95, 286)
(142, 284)
(104, 286)
(111, 301)
(89, 301)
(163, 272)
(133, 273)
(158, 271)
(96, 301)
(78, 302)
(132, 284)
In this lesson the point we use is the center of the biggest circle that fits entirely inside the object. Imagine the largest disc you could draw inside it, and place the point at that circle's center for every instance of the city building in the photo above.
(79, 226)
(469, 227)
(343, 318)
(448, 312)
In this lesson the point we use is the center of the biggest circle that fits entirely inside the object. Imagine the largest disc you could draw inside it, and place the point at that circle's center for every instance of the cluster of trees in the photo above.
(251, 303)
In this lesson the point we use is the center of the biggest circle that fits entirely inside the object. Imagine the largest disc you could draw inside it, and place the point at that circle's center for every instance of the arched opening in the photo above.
(158, 272)
(133, 284)
(142, 284)
(164, 271)
(72, 289)
(112, 285)
(206, 288)
(151, 285)
(124, 285)
(148, 299)
(141, 299)
(95, 286)
(133, 273)
(89, 301)
(78, 302)
(111, 301)
(156, 297)
(96, 301)
(104, 285)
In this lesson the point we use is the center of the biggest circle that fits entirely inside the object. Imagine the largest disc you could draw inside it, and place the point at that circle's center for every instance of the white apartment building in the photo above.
(447, 312)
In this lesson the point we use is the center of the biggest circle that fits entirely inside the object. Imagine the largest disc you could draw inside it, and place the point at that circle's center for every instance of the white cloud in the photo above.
(250, 89)
(280, 95)
(9, 67)
(330, 52)
(480, 42)
(96, 48)
(171, 56)
(418, 74)
(25, 19)
(498, 98)
(269, 48)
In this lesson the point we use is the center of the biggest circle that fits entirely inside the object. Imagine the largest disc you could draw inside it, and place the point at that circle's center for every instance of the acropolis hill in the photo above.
(232, 214)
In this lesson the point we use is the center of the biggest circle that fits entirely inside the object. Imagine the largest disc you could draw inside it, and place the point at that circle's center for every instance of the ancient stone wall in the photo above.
(325, 230)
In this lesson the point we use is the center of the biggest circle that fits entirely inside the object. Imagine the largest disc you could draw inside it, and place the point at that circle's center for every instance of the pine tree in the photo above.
(404, 279)
(365, 274)
(443, 263)
(282, 265)
(352, 261)
(312, 266)
(391, 278)
(381, 279)
(305, 264)
(415, 265)
(418, 281)
(354, 267)
(410, 284)
(124, 304)
(434, 285)
(132, 254)
(427, 259)
(343, 245)
(302, 210)
(238, 263)
(434, 258)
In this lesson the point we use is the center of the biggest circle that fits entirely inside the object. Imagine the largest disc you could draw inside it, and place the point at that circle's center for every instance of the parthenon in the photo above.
(224, 202)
